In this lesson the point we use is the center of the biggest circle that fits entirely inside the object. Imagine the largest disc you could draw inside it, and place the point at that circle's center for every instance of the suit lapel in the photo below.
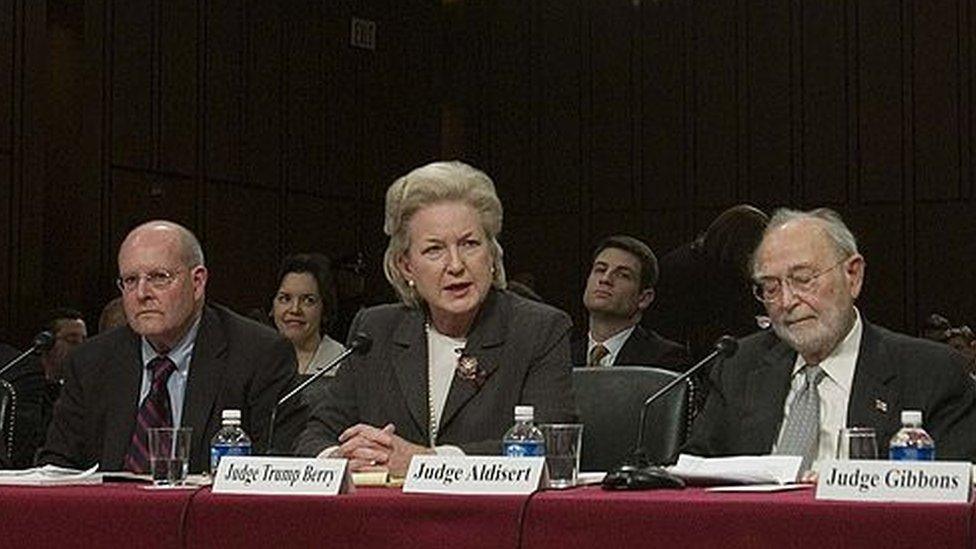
(873, 403)
(766, 391)
(631, 348)
(124, 379)
(204, 382)
(485, 345)
(409, 363)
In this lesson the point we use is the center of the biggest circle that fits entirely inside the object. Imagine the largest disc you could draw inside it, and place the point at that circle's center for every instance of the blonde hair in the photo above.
(432, 184)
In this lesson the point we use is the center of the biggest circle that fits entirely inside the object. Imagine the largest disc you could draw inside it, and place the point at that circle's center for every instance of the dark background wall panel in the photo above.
(945, 278)
(881, 127)
(226, 86)
(665, 135)
(262, 95)
(538, 244)
(305, 99)
(716, 80)
(882, 237)
(825, 84)
(138, 197)
(132, 82)
(178, 90)
(614, 103)
(241, 235)
(936, 93)
(8, 80)
(767, 86)
(326, 225)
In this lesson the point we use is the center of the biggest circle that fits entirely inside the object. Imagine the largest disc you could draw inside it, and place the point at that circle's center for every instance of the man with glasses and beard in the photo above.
(178, 363)
(824, 366)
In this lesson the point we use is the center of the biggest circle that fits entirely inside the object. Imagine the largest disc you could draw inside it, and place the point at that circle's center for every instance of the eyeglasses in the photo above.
(802, 281)
(159, 279)
(304, 300)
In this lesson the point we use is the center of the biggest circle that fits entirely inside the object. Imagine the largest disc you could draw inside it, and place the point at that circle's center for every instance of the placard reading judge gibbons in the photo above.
(474, 475)
(910, 481)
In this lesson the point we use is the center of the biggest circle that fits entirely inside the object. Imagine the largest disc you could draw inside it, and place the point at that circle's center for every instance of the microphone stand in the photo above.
(360, 344)
(622, 478)
(43, 341)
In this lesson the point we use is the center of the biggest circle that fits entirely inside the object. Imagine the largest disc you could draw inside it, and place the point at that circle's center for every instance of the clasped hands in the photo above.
(372, 449)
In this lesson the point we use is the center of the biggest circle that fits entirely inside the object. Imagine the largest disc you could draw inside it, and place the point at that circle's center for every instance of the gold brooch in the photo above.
(469, 370)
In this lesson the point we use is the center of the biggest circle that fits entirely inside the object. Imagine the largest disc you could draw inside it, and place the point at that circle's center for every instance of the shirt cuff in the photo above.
(448, 450)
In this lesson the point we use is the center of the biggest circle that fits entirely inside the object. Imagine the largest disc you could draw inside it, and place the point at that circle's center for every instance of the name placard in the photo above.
(281, 476)
(905, 481)
(472, 475)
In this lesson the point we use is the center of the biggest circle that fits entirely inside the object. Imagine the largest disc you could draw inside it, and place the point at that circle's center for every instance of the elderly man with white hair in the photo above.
(824, 366)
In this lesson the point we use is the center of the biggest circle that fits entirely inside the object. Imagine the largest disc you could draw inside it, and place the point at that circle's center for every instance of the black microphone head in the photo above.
(43, 341)
(360, 343)
(727, 346)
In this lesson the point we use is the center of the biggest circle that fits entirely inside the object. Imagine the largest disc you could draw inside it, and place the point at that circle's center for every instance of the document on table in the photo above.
(50, 475)
(737, 469)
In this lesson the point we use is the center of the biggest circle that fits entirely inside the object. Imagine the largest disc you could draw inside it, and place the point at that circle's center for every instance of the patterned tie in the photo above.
(801, 432)
(154, 412)
(596, 355)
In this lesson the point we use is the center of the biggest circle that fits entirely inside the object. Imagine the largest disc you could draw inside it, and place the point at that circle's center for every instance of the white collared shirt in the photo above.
(834, 390)
(613, 345)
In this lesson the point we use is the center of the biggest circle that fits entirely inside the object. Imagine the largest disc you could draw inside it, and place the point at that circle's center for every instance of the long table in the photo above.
(124, 515)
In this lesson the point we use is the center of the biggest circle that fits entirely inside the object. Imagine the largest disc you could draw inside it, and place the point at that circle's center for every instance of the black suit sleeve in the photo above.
(271, 383)
(65, 442)
(710, 429)
(951, 415)
(337, 409)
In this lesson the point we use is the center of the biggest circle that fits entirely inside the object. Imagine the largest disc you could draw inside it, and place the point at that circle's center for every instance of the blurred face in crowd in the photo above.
(297, 309)
(161, 293)
(68, 334)
(809, 287)
(449, 264)
(613, 287)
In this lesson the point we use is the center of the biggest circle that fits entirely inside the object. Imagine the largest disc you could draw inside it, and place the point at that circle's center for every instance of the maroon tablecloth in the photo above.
(128, 515)
(371, 517)
(111, 515)
(590, 517)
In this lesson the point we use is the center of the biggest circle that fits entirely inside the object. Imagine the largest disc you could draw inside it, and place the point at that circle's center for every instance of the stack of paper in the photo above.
(737, 470)
(50, 475)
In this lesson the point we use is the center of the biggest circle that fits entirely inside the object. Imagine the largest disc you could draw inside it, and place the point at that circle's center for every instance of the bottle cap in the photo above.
(911, 417)
(231, 414)
(524, 413)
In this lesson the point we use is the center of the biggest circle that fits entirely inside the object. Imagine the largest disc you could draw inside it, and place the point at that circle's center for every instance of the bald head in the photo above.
(190, 251)
(162, 278)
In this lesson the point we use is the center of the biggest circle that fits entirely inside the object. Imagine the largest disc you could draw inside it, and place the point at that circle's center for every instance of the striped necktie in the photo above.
(596, 355)
(801, 431)
(153, 413)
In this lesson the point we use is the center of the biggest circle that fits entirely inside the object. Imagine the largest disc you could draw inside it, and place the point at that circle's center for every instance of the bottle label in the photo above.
(908, 453)
(524, 448)
(218, 451)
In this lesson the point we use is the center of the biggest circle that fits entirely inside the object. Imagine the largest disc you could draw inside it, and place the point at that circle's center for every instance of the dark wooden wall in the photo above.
(650, 117)
(260, 127)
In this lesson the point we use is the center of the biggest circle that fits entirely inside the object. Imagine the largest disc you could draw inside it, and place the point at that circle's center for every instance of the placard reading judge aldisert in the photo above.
(471, 475)
(906, 481)
(281, 476)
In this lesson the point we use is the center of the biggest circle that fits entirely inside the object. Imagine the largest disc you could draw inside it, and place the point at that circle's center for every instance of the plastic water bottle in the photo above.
(524, 438)
(911, 443)
(230, 440)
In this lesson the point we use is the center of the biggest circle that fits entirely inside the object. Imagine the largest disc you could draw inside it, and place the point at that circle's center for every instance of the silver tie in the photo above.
(801, 434)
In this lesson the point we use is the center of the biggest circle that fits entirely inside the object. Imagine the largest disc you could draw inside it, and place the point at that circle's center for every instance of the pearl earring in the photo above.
(410, 283)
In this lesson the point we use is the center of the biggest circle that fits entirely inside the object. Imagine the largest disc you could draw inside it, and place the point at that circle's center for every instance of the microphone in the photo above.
(42, 342)
(637, 473)
(360, 343)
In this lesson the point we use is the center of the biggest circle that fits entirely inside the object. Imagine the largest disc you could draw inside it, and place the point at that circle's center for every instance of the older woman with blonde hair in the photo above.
(450, 362)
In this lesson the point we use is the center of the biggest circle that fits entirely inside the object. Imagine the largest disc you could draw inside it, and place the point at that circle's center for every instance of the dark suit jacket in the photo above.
(642, 348)
(31, 413)
(236, 363)
(894, 372)
(520, 345)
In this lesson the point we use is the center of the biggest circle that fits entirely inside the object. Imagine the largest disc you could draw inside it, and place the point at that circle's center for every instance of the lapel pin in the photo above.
(881, 406)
